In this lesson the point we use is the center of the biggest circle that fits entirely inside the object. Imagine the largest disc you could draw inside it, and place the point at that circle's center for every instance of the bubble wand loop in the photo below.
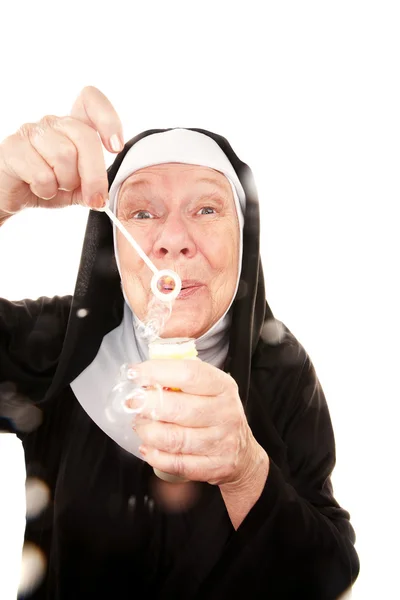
(160, 278)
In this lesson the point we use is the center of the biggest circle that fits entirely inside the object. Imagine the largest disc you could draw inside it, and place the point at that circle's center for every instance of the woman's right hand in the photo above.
(59, 161)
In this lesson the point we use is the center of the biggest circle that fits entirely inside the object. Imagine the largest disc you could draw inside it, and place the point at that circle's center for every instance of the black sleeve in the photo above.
(296, 542)
(31, 339)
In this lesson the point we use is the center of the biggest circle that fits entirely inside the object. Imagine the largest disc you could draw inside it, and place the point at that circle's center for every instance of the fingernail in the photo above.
(97, 201)
(50, 197)
(116, 143)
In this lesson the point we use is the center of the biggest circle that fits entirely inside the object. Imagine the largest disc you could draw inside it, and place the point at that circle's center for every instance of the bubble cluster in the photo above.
(157, 316)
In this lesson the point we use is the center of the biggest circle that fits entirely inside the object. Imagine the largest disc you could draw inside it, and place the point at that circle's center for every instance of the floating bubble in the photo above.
(175, 497)
(126, 399)
(132, 502)
(81, 313)
(33, 569)
(273, 332)
(154, 322)
(18, 409)
(37, 497)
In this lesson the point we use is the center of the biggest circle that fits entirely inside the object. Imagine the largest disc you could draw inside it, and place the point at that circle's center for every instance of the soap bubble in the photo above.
(273, 332)
(175, 497)
(33, 568)
(128, 388)
(154, 322)
(81, 313)
(37, 497)
(18, 409)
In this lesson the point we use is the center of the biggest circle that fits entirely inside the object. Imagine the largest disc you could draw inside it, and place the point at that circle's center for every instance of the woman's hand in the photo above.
(200, 433)
(59, 161)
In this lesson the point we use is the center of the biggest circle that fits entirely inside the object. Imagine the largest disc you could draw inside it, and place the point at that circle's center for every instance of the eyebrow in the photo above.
(144, 182)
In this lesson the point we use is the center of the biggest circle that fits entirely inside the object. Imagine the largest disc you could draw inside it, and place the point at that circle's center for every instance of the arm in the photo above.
(296, 541)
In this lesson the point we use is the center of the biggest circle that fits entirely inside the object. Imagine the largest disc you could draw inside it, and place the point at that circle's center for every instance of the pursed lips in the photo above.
(187, 284)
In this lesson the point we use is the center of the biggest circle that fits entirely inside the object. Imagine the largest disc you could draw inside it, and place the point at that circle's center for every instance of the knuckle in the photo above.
(66, 152)
(178, 464)
(231, 444)
(80, 132)
(176, 408)
(175, 441)
(43, 179)
(47, 121)
(25, 131)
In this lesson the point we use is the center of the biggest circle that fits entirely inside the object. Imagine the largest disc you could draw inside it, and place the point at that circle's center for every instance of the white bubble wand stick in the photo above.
(164, 279)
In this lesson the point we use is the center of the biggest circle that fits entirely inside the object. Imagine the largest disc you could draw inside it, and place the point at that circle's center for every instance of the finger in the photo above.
(93, 108)
(91, 164)
(195, 468)
(60, 153)
(175, 439)
(191, 376)
(183, 409)
(23, 162)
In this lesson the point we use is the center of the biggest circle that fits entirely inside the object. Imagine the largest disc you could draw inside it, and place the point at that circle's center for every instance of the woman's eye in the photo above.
(206, 210)
(142, 214)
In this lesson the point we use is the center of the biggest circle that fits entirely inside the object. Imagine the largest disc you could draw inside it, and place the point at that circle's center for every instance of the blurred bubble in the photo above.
(37, 497)
(33, 568)
(105, 265)
(175, 497)
(132, 502)
(24, 416)
(272, 332)
(81, 313)
(155, 320)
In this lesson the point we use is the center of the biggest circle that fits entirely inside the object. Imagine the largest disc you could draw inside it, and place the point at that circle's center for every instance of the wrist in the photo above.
(254, 473)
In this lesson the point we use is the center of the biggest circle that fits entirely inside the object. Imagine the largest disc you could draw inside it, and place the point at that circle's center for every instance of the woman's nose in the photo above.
(174, 240)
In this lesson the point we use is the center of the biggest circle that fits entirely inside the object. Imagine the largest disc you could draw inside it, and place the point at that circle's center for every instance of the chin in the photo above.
(177, 327)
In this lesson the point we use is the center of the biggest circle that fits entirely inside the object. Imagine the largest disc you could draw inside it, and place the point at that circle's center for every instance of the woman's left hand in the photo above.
(199, 433)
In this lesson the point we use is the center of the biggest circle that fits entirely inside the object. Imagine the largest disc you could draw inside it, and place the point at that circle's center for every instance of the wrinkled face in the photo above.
(184, 217)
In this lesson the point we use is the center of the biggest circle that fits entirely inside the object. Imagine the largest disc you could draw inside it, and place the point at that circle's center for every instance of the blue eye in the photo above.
(208, 209)
(143, 214)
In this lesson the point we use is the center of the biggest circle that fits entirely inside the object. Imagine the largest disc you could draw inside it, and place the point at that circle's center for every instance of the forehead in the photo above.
(170, 174)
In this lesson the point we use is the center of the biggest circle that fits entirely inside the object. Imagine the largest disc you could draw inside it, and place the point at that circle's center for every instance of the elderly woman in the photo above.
(249, 431)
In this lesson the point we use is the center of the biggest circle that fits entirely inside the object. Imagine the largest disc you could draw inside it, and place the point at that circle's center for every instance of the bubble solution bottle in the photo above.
(172, 349)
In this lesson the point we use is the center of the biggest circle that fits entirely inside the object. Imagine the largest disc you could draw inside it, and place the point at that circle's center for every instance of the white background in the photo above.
(308, 95)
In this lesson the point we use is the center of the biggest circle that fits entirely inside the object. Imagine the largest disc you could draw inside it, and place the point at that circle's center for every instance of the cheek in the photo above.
(132, 269)
(221, 248)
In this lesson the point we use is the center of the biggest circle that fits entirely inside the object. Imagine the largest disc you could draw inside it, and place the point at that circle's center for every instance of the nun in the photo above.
(244, 431)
